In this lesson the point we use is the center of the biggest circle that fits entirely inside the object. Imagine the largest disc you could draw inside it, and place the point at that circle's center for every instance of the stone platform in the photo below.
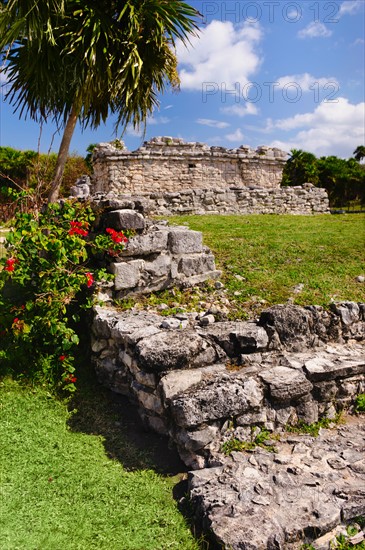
(284, 499)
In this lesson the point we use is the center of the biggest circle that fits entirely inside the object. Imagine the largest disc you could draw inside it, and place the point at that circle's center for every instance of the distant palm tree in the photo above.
(78, 60)
(359, 153)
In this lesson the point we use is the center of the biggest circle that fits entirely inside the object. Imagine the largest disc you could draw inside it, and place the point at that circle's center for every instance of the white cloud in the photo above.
(212, 123)
(158, 120)
(223, 53)
(350, 7)
(3, 78)
(134, 132)
(333, 128)
(240, 110)
(315, 29)
(236, 136)
(138, 131)
(358, 42)
(306, 81)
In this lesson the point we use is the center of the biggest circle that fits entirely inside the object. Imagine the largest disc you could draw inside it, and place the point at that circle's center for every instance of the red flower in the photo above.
(18, 324)
(117, 236)
(10, 264)
(90, 279)
(62, 357)
(70, 379)
(77, 228)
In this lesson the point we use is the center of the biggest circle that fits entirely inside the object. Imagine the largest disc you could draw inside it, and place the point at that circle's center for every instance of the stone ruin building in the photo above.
(171, 176)
(166, 164)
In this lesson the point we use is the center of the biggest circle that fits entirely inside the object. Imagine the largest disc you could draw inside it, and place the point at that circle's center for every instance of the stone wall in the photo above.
(301, 200)
(156, 257)
(167, 164)
(202, 385)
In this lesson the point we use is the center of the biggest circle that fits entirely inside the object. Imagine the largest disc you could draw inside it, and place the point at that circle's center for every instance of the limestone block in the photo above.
(164, 351)
(184, 241)
(148, 400)
(104, 319)
(193, 265)
(160, 267)
(178, 381)
(124, 219)
(98, 345)
(251, 337)
(127, 274)
(148, 243)
(196, 440)
(349, 312)
(223, 397)
(291, 323)
(321, 368)
(285, 384)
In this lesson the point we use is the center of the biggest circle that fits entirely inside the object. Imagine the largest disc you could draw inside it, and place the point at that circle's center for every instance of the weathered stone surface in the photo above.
(127, 274)
(183, 241)
(149, 243)
(214, 400)
(192, 265)
(320, 368)
(237, 337)
(263, 500)
(178, 381)
(167, 351)
(160, 267)
(291, 324)
(124, 219)
(149, 400)
(198, 439)
(285, 384)
(349, 312)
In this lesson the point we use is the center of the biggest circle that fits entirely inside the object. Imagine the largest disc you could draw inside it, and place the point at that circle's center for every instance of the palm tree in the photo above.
(359, 153)
(77, 60)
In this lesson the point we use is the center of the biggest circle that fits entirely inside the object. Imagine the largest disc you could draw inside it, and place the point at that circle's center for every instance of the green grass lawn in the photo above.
(61, 491)
(273, 254)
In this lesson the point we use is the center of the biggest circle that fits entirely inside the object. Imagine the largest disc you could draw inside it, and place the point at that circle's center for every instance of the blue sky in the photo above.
(282, 73)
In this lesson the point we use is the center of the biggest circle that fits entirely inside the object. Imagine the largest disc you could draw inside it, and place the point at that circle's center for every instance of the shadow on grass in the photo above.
(101, 412)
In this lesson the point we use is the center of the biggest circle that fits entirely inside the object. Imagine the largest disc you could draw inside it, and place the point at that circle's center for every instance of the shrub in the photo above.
(48, 274)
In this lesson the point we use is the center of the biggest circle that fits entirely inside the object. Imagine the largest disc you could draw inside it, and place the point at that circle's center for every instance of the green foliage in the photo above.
(261, 439)
(343, 179)
(342, 542)
(27, 168)
(313, 429)
(360, 403)
(15, 164)
(300, 168)
(48, 272)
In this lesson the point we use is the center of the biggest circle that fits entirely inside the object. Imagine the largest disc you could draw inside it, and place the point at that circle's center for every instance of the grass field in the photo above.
(271, 259)
(60, 490)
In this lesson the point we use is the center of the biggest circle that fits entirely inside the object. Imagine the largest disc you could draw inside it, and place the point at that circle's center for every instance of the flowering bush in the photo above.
(50, 272)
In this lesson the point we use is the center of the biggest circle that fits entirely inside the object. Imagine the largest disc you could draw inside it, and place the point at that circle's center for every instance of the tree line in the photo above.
(344, 179)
